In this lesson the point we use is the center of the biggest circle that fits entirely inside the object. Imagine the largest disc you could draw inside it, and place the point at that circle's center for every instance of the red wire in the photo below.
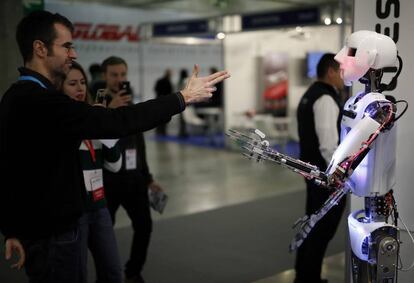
(370, 140)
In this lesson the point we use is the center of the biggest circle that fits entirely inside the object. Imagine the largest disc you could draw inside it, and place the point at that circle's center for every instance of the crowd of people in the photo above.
(62, 199)
(87, 156)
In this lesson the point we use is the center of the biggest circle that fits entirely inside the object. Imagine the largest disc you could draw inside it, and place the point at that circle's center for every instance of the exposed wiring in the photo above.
(412, 239)
(348, 163)
(389, 119)
(393, 83)
(405, 109)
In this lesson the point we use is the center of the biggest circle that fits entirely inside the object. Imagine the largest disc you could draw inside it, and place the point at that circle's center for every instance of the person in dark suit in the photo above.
(318, 118)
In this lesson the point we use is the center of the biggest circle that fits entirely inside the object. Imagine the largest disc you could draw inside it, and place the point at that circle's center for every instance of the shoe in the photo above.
(134, 279)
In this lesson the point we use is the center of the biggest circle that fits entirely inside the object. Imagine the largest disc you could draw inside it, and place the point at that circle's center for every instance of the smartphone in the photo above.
(125, 86)
(101, 96)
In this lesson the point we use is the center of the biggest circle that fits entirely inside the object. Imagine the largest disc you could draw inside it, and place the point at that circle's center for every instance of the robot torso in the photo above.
(375, 174)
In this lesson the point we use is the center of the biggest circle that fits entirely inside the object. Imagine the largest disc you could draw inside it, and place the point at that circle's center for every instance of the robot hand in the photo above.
(258, 150)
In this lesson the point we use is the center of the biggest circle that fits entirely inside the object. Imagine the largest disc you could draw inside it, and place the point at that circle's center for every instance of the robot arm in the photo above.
(357, 143)
(346, 158)
(257, 149)
(352, 150)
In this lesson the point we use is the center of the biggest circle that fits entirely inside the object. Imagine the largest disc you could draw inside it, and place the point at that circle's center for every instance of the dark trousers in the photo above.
(54, 259)
(97, 235)
(133, 196)
(310, 254)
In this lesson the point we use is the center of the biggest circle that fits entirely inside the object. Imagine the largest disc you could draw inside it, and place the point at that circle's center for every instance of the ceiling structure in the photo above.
(212, 8)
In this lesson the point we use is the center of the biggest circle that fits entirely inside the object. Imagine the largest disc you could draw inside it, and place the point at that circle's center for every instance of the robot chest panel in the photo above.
(358, 106)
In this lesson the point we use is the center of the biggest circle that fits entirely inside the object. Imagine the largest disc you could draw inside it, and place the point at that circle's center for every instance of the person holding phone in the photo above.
(118, 89)
(129, 186)
(125, 86)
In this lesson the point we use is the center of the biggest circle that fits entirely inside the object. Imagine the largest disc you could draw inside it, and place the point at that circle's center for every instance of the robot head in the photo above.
(365, 50)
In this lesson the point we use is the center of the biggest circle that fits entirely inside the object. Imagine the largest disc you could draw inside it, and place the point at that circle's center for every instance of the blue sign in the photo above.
(180, 28)
(277, 19)
(313, 59)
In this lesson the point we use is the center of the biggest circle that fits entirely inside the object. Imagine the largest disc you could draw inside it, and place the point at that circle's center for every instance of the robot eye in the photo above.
(352, 52)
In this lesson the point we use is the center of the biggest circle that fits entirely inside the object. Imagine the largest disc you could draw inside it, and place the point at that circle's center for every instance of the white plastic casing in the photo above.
(376, 173)
(373, 50)
(358, 231)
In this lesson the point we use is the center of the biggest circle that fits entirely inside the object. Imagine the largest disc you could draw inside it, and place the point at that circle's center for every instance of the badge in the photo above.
(130, 159)
(94, 183)
(97, 188)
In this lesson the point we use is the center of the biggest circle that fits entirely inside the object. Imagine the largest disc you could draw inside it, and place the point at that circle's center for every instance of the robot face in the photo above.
(365, 50)
(351, 68)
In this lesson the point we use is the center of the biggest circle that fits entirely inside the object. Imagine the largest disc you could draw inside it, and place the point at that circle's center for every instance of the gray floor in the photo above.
(219, 192)
(202, 182)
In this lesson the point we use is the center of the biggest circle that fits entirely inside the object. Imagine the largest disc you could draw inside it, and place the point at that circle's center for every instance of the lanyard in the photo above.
(89, 145)
(33, 79)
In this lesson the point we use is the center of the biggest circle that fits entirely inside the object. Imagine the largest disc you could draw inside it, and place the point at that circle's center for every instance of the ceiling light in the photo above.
(339, 20)
(327, 21)
(221, 35)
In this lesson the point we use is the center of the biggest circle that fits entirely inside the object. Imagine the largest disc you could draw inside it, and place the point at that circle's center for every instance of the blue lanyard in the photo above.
(33, 79)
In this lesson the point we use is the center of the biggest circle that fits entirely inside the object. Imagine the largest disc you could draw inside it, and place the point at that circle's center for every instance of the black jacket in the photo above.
(142, 173)
(41, 190)
(309, 143)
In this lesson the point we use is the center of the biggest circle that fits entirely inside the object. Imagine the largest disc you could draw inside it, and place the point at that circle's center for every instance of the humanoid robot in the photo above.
(364, 162)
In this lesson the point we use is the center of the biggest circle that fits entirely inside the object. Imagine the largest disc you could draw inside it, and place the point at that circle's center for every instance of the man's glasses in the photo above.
(68, 46)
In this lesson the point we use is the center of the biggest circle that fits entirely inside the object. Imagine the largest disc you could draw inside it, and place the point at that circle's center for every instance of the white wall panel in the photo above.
(243, 49)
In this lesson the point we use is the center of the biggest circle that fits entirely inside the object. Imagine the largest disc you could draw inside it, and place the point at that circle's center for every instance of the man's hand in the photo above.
(120, 99)
(200, 89)
(155, 187)
(13, 244)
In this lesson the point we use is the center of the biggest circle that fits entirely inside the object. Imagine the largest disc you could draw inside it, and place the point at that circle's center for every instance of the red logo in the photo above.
(105, 32)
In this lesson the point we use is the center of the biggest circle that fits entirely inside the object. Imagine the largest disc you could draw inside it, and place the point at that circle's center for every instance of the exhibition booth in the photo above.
(271, 65)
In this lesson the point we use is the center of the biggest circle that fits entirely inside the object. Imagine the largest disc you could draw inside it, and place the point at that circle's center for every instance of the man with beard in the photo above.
(129, 186)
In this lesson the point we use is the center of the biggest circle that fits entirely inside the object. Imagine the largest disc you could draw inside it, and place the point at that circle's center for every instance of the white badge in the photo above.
(97, 188)
(130, 159)
(96, 183)
(93, 179)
